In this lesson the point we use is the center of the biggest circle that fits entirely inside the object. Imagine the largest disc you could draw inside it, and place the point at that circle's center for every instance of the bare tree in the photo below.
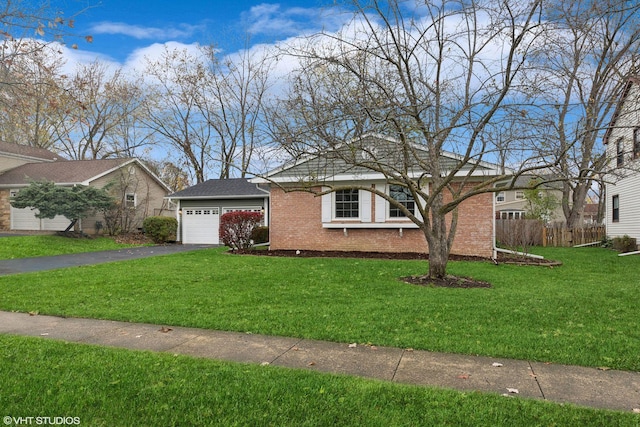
(30, 95)
(436, 77)
(30, 31)
(177, 110)
(582, 62)
(101, 112)
(238, 86)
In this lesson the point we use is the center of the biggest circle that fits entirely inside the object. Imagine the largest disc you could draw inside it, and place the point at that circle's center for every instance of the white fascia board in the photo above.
(391, 225)
(251, 196)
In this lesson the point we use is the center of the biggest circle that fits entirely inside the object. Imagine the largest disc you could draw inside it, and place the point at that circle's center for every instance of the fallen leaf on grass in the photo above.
(636, 410)
(603, 368)
(353, 345)
(264, 364)
(33, 313)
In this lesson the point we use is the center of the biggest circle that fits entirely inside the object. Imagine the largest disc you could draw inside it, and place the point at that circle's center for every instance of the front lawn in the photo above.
(583, 313)
(37, 246)
(99, 386)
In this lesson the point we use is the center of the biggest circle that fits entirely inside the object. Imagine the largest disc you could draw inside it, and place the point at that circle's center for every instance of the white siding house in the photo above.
(623, 153)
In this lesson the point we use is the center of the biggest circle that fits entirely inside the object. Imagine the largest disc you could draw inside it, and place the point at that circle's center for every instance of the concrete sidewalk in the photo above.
(591, 387)
(27, 265)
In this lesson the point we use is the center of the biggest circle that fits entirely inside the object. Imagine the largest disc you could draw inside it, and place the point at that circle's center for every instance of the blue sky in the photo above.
(121, 27)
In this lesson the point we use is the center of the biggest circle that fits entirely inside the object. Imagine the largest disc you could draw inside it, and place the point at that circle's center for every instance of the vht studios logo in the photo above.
(42, 421)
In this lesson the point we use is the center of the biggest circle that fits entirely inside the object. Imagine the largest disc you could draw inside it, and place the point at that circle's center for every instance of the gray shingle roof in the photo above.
(27, 151)
(221, 188)
(60, 172)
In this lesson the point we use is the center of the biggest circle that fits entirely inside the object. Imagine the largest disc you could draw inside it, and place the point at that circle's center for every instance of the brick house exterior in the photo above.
(300, 220)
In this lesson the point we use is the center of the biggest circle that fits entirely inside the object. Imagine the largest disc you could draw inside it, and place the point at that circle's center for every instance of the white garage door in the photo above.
(200, 226)
(25, 219)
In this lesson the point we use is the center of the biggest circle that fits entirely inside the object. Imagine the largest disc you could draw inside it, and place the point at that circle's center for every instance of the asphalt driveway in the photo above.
(27, 265)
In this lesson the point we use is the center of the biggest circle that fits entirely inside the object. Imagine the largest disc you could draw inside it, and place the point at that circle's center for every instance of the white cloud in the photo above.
(273, 20)
(143, 33)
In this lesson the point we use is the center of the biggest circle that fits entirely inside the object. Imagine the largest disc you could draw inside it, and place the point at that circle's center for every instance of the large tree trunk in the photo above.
(439, 248)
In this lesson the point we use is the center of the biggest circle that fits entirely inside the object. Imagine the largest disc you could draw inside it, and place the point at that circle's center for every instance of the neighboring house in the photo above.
(622, 182)
(513, 204)
(358, 220)
(138, 190)
(200, 207)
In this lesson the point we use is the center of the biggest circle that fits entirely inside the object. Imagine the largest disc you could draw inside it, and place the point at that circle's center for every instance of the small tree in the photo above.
(541, 204)
(236, 228)
(72, 202)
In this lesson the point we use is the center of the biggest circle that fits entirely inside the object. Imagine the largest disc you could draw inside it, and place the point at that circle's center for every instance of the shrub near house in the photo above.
(236, 228)
(161, 229)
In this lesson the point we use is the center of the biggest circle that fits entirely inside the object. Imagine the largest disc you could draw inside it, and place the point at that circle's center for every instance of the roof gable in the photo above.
(70, 172)
(28, 152)
(620, 107)
(350, 161)
(221, 188)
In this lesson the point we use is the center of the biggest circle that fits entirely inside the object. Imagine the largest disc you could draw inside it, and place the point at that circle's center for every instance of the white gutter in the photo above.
(506, 251)
(586, 244)
(629, 253)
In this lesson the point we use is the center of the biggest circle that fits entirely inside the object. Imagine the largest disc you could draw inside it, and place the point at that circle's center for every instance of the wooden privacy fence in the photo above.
(560, 235)
(531, 232)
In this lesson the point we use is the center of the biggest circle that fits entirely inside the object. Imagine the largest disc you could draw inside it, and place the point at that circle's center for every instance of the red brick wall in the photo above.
(296, 223)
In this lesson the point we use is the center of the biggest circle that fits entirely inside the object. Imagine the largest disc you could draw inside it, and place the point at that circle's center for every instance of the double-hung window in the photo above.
(636, 143)
(404, 197)
(615, 213)
(619, 152)
(130, 200)
(347, 204)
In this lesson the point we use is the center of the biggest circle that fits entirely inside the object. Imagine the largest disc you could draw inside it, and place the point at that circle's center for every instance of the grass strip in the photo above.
(37, 246)
(582, 313)
(106, 387)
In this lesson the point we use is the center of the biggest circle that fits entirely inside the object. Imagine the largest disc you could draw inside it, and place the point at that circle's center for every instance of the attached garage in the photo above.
(25, 219)
(201, 226)
(201, 206)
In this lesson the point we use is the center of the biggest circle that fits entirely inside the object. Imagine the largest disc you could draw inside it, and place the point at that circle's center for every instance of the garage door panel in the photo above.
(201, 226)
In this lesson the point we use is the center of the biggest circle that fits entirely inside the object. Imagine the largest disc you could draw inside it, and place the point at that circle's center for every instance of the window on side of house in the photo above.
(347, 204)
(519, 195)
(402, 195)
(636, 143)
(615, 212)
(500, 196)
(130, 200)
(619, 152)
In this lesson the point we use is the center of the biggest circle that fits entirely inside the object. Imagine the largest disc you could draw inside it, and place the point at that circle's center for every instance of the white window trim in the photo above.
(362, 201)
(383, 206)
(365, 219)
(500, 197)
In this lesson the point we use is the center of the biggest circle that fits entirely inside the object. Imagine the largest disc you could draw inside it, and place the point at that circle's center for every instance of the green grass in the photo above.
(111, 387)
(36, 246)
(584, 312)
